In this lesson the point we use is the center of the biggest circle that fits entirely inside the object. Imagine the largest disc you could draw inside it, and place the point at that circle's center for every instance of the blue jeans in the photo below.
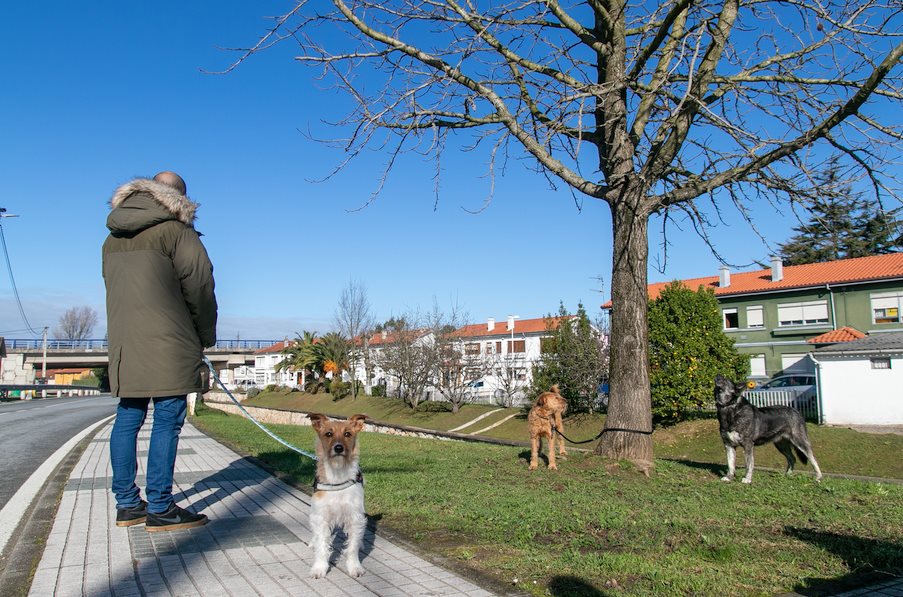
(169, 416)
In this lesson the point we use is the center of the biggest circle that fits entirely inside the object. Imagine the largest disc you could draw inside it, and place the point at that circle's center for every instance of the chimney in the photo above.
(777, 269)
(384, 334)
(724, 276)
(510, 322)
(490, 324)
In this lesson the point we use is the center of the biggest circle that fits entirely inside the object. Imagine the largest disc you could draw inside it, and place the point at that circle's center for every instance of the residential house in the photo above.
(368, 364)
(265, 361)
(861, 380)
(504, 353)
(509, 352)
(772, 314)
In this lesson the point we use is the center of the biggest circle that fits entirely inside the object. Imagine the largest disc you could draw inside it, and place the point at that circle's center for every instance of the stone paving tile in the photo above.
(255, 544)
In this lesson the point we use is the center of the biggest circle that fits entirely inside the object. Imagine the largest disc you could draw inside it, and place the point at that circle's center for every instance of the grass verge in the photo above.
(597, 527)
(696, 442)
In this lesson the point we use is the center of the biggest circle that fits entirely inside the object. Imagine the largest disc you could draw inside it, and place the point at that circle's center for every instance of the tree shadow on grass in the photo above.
(716, 469)
(869, 560)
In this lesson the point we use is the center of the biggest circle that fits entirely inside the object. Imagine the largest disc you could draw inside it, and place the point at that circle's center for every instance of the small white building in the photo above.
(861, 382)
(265, 361)
(367, 368)
(510, 350)
(504, 352)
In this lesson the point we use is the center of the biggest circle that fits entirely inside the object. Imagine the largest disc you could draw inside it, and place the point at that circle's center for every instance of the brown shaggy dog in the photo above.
(546, 412)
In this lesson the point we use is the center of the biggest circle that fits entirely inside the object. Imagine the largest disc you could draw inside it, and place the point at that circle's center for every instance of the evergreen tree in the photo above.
(575, 358)
(687, 348)
(842, 225)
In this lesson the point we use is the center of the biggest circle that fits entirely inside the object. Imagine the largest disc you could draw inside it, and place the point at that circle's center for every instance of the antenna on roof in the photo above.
(601, 280)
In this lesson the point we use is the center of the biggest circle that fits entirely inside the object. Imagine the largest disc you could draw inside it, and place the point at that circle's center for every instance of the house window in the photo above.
(810, 313)
(489, 348)
(886, 307)
(880, 363)
(755, 317)
(731, 319)
(757, 366)
(471, 349)
(517, 346)
(793, 362)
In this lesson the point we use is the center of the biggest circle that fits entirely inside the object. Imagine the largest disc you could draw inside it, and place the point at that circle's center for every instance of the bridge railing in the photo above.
(29, 344)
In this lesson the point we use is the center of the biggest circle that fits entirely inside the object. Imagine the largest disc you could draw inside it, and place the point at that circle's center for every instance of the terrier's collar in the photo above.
(338, 486)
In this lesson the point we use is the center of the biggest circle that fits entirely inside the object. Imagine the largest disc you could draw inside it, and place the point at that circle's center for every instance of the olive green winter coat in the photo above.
(161, 307)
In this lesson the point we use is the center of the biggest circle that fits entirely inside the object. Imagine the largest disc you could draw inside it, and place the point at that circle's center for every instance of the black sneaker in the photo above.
(126, 517)
(174, 518)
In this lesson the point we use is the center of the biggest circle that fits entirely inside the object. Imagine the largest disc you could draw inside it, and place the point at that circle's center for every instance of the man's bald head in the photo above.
(173, 180)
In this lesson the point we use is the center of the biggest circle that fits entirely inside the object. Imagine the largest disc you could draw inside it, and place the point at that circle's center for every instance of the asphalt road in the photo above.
(32, 430)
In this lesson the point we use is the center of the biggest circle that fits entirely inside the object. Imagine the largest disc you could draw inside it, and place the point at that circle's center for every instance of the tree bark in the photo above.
(629, 406)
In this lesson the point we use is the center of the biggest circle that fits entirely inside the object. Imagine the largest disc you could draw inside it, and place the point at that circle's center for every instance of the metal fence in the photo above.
(805, 402)
(102, 344)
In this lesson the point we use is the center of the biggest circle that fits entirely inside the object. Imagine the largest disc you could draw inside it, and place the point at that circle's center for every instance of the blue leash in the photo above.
(251, 418)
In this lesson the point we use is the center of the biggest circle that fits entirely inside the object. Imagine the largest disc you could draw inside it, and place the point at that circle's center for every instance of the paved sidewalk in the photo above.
(256, 542)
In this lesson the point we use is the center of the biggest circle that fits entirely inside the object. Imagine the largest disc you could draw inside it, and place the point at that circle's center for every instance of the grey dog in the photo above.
(743, 424)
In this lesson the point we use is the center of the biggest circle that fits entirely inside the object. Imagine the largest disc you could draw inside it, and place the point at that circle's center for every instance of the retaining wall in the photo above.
(221, 401)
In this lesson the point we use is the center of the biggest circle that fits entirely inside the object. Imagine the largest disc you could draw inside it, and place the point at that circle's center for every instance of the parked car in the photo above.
(801, 385)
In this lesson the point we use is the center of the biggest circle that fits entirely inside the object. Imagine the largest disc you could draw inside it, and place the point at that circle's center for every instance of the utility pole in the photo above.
(12, 281)
(44, 365)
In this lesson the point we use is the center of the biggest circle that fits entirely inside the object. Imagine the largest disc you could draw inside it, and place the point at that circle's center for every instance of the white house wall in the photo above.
(265, 371)
(855, 394)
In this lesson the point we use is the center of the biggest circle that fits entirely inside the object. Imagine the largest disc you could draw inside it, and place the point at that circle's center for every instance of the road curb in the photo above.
(25, 544)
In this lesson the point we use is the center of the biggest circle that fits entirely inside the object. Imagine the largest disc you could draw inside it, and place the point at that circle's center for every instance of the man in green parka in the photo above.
(161, 314)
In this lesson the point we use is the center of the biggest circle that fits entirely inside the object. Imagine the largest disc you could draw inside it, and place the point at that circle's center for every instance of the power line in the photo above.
(9, 268)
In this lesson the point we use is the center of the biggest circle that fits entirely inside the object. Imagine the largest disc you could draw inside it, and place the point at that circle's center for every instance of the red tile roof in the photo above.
(841, 271)
(476, 330)
(278, 347)
(521, 326)
(844, 334)
(378, 339)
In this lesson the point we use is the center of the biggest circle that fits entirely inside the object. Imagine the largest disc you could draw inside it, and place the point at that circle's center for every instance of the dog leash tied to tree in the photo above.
(600, 434)
(251, 418)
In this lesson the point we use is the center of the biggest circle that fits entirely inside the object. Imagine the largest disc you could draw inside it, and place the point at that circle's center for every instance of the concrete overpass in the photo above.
(64, 354)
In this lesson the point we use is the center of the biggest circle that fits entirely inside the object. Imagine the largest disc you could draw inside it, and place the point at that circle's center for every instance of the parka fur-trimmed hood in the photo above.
(180, 206)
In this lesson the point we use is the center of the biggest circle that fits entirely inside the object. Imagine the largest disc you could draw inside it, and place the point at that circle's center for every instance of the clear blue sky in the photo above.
(97, 93)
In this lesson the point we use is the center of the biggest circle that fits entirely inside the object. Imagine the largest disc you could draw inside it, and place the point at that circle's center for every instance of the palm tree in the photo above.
(332, 352)
(300, 355)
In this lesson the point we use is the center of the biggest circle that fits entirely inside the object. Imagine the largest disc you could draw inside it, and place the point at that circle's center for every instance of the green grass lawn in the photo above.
(597, 527)
(838, 450)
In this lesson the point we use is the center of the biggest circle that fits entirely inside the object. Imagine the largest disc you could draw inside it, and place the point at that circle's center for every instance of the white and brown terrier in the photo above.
(338, 499)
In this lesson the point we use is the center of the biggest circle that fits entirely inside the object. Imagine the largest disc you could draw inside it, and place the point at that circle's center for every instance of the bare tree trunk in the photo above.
(629, 406)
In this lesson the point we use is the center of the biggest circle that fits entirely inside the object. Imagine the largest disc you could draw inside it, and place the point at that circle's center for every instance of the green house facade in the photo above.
(779, 315)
